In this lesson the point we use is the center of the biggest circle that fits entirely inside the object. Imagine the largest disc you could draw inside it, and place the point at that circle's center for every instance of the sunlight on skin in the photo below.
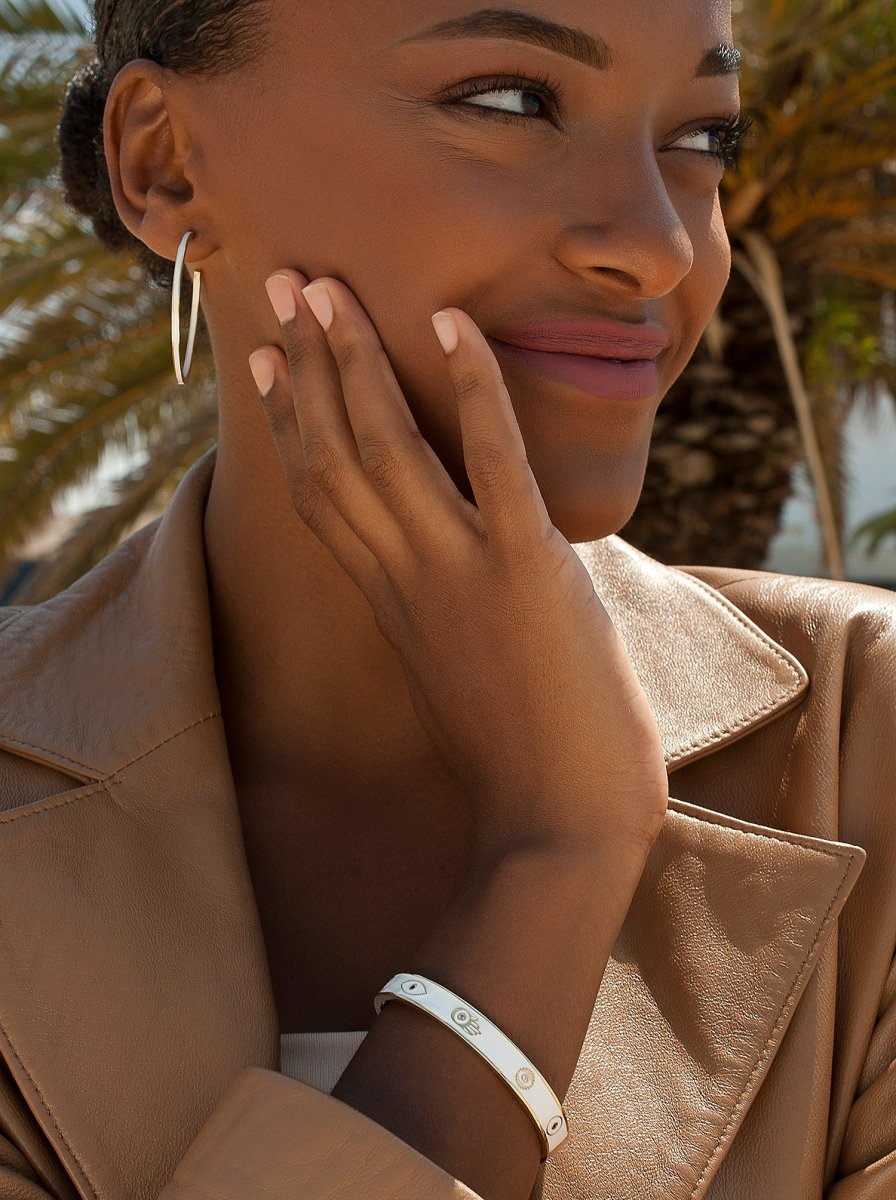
(340, 156)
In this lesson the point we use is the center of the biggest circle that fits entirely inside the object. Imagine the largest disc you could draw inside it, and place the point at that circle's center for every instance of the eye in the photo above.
(548, 92)
(728, 131)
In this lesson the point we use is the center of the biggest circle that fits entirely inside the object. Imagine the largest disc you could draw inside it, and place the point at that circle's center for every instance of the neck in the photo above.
(305, 677)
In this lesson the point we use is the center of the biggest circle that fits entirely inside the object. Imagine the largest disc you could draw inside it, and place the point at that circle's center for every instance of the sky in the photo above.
(78, 6)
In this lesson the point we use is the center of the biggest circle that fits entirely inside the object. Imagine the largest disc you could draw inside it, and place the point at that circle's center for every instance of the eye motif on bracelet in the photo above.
(543, 1105)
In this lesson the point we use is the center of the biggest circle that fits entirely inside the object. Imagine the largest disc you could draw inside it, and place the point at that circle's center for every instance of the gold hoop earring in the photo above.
(182, 376)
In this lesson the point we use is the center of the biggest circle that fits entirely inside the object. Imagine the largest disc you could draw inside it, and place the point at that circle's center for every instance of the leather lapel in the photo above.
(131, 657)
(136, 984)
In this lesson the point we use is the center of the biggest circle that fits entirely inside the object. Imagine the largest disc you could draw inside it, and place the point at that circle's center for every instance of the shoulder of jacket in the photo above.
(805, 599)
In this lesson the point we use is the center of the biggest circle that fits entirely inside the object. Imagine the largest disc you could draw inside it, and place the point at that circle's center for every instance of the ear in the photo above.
(147, 146)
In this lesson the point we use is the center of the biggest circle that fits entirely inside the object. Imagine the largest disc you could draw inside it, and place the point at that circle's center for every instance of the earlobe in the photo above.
(145, 154)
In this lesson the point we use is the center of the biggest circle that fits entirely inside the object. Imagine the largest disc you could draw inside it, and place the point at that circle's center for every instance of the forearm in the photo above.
(526, 943)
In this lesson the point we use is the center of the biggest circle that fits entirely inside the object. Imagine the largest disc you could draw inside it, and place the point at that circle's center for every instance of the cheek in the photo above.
(701, 289)
(717, 267)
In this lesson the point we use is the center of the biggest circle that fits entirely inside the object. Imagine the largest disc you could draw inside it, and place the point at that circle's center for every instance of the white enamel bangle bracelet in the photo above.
(488, 1041)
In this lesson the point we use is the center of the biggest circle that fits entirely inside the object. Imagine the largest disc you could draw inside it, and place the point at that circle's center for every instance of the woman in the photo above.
(353, 721)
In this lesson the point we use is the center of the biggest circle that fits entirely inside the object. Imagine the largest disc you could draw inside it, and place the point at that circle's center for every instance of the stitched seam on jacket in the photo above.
(49, 1111)
(736, 1111)
(751, 627)
(46, 750)
(75, 763)
(169, 738)
(102, 785)
(52, 802)
(729, 607)
(713, 734)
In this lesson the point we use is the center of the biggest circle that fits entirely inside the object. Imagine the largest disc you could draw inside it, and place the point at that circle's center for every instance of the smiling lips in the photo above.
(605, 358)
(595, 337)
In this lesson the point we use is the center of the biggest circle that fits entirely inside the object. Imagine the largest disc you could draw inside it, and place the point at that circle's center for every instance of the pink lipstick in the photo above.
(597, 355)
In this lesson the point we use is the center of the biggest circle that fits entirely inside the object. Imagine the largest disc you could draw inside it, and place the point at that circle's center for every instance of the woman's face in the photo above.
(348, 154)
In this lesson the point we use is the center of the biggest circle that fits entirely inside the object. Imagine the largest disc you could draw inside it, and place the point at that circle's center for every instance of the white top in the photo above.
(318, 1058)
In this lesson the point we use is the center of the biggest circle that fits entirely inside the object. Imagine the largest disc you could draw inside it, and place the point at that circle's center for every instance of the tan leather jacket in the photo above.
(743, 1043)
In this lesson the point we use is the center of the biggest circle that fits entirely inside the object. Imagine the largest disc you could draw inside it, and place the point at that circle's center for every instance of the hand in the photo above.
(514, 668)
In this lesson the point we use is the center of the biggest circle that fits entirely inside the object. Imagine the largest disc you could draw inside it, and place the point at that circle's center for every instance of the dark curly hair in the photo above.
(195, 37)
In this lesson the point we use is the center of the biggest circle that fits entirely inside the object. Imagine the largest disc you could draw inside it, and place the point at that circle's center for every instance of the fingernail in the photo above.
(320, 303)
(282, 297)
(446, 330)
(262, 371)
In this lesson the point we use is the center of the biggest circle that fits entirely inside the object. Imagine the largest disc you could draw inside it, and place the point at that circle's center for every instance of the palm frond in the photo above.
(792, 208)
(84, 351)
(148, 487)
(830, 105)
(880, 274)
(61, 444)
(875, 530)
(29, 16)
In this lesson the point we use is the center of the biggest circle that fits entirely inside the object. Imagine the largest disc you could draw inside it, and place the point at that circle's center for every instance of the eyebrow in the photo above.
(590, 49)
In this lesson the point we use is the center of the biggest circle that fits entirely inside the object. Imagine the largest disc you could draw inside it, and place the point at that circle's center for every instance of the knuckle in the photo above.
(381, 462)
(467, 384)
(325, 467)
(307, 500)
(415, 614)
(298, 352)
(279, 417)
(489, 466)
(346, 352)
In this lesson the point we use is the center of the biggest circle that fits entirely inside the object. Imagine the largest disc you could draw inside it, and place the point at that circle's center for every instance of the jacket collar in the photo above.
(135, 983)
(142, 615)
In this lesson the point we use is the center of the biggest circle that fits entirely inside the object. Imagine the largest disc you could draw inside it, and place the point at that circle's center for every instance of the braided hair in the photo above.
(195, 37)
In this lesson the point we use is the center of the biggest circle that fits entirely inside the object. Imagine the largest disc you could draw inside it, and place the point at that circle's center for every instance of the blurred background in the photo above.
(775, 450)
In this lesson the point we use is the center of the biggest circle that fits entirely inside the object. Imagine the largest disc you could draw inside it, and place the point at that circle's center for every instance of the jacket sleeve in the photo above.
(867, 1164)
(269, 1136)
(863, 618)
(277, 1137)
(867, 1169)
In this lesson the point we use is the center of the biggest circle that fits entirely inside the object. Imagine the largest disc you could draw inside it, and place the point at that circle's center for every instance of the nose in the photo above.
(633, 234)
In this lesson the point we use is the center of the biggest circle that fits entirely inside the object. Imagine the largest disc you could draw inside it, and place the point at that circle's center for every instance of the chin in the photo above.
(591, 514)
(588, 497)
(591, 529)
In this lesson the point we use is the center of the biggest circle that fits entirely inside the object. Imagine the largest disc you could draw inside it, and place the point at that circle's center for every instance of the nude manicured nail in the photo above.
(282, 297)
(262, 371)
(320, 303)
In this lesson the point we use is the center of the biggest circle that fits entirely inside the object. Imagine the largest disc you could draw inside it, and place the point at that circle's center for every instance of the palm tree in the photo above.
(798, 339)
(85, 347)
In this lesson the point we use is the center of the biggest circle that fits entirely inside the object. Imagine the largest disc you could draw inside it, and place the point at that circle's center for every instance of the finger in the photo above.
(309, 501)
(506, 491)
(330, 460)
(398, 460)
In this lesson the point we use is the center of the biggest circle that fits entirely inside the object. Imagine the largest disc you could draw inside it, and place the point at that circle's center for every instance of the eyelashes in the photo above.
(551, 91)
(732, 130)
(729, 130)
